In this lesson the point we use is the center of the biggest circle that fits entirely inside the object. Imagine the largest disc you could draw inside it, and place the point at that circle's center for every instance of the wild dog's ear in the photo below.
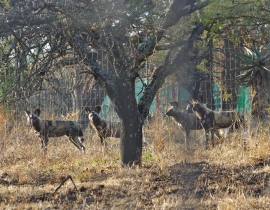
(37, 111)
(98, 109)
(200, 98)
(87, 110)
(189, 108)
(27, 113)
(174, 104)
(192, 101)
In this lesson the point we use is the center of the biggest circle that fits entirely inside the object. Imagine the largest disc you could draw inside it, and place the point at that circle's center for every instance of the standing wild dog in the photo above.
(212, 120)
(186, 121)
(103, 128)
(55, 128)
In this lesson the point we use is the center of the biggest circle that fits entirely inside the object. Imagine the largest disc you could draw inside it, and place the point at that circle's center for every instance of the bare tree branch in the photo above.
(170, 45)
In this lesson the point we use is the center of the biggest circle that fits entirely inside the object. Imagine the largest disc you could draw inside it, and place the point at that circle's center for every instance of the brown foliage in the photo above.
(233, 175)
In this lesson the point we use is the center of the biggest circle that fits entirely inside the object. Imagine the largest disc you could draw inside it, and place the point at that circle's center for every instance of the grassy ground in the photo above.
(233, 175)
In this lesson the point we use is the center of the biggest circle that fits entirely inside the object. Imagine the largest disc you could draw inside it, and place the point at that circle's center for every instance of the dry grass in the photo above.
(233, 175)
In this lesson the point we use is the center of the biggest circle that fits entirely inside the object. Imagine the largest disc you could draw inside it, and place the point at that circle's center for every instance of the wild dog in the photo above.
(55, 128)
(103, 128)
(186, 121)
(211, 120)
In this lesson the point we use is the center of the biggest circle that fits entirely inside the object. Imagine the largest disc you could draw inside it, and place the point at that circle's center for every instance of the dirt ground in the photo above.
(181, 186)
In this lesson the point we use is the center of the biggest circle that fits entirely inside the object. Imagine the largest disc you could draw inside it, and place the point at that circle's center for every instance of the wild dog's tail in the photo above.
(81, 139)
(80, 135)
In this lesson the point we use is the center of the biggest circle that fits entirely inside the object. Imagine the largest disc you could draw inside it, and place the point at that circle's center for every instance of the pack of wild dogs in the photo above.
(57, 128)
(196, 117)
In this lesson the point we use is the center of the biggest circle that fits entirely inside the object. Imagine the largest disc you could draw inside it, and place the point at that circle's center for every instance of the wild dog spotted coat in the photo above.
(55, 128)
(186, 121)
(103, 128)
(212, 120)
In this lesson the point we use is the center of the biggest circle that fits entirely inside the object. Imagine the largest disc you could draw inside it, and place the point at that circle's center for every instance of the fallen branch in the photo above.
(69, 177)
(4, 182)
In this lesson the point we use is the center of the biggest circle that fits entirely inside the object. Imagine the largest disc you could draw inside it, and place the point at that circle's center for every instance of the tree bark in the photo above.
(259, 103)
(122, 95)
(131, 140)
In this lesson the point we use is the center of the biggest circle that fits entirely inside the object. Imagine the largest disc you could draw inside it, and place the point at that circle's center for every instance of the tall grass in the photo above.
(171, 177)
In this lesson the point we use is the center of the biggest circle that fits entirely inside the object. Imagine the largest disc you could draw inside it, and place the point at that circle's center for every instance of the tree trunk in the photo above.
(131, 141)
(259, 93)
(122, 95)
(258, 104)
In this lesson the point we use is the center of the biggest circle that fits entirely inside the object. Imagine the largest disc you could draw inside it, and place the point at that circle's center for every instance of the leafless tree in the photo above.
(37, 35)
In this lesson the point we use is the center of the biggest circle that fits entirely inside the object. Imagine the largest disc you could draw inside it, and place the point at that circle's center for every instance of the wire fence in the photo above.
(63, 91)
